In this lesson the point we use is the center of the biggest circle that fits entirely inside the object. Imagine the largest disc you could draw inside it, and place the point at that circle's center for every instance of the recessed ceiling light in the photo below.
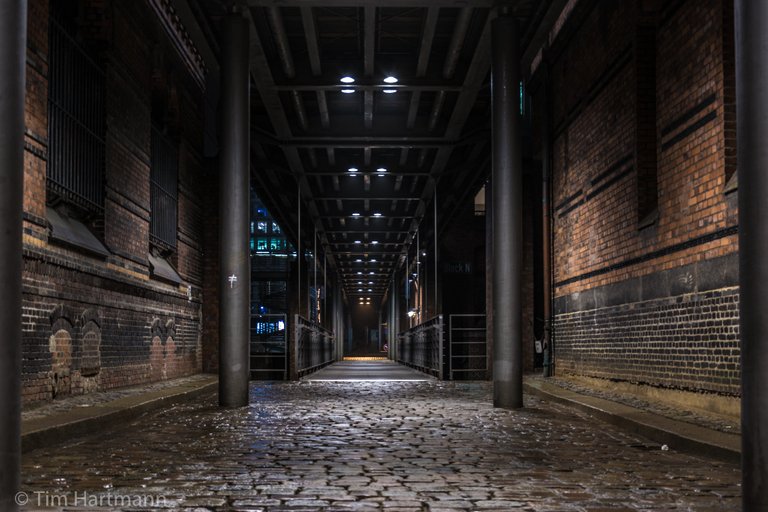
(369, 282)
(371, 273)
(359, 273)
(390, 80)
(347, 91)
(358, 241)
(358, 260)
(359, 289)
(374, 242)
(370, 289)
(389, 91)
(359, 282)
(352, 170)
(377, 214)
(373, 261)
(355, 214)
(347, 80)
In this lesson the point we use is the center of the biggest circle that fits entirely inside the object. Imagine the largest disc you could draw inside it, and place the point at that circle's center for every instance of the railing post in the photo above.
(295, 355)
(441, 356)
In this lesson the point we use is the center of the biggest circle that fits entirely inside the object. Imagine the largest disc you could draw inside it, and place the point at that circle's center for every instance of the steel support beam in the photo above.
(507, 216)
(234, 214)
(752, 130)
(13, 51)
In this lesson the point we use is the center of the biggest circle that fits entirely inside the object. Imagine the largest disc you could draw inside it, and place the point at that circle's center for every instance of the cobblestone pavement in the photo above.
(400, 446)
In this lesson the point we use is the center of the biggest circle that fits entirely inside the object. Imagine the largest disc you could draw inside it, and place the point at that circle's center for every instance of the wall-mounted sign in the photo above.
(457, 268)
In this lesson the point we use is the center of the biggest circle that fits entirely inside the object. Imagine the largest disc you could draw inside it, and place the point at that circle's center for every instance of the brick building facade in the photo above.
(645, 217)
(125, 309)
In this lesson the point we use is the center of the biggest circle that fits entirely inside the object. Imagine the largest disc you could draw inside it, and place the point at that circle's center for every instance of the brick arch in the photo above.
(90, 348)
(60, 348)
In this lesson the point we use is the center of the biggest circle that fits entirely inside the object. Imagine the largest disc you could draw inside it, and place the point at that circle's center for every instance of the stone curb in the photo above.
(678, 435)
(63, 427)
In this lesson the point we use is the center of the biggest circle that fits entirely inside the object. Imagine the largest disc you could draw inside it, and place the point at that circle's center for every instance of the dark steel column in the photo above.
(546, 231)
(13, 48)
(752, 132)
(234, 215)
(507, 216)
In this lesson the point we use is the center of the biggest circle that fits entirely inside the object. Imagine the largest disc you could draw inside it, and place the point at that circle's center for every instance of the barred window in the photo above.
(76, 119)
(163, 190)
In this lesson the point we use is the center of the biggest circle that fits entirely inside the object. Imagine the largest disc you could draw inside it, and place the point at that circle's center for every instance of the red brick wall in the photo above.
(603, 257)
(89, 322)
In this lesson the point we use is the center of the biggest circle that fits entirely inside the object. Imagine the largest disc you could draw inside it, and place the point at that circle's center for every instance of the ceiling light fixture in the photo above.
(358, 260)
(347, 91)
(374, 242)
(358, 241)
(347, 80)
(390, 80)
(352, 170)
(389, 91)
(355, 214)
(377, 214)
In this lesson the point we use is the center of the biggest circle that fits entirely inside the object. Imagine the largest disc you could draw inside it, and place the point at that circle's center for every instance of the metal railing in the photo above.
(314, 347)
(421, 347)
(468, 358)
(269, 347)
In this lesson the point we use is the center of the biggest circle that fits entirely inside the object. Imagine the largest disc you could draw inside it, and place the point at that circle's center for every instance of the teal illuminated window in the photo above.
(261, 244)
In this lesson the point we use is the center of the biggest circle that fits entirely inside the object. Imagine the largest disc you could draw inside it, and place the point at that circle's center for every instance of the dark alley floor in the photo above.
(402, 446)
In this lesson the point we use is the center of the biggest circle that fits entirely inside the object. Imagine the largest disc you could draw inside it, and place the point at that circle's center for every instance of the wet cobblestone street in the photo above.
(401, 446)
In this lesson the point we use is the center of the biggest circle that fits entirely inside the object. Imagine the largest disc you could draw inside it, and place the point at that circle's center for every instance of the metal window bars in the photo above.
(76, 123)
(164, 175)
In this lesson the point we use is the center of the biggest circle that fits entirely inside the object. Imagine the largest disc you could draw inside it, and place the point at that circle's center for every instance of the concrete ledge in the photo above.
(678, 435)
(63, 426)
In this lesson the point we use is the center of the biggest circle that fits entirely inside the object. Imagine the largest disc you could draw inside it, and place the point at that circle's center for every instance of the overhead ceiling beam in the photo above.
(425, 49)
(363, 87)
(476, 73)
(371, 173)
(369, 47)
(313, 50)
(377, 197)
(310, 32)
(369, 3)
(368, 230)
(261, 74)
(377, 142)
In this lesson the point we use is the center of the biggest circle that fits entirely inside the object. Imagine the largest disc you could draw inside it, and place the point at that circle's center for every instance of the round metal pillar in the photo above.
(234, 216)
(13, 48)
(752, 131)
(507, 216)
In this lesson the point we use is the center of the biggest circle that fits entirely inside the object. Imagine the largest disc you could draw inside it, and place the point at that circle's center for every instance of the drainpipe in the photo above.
(546, 226)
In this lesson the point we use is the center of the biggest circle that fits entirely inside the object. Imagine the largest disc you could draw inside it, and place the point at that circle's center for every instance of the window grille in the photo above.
(163, 190)
(76, 123)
